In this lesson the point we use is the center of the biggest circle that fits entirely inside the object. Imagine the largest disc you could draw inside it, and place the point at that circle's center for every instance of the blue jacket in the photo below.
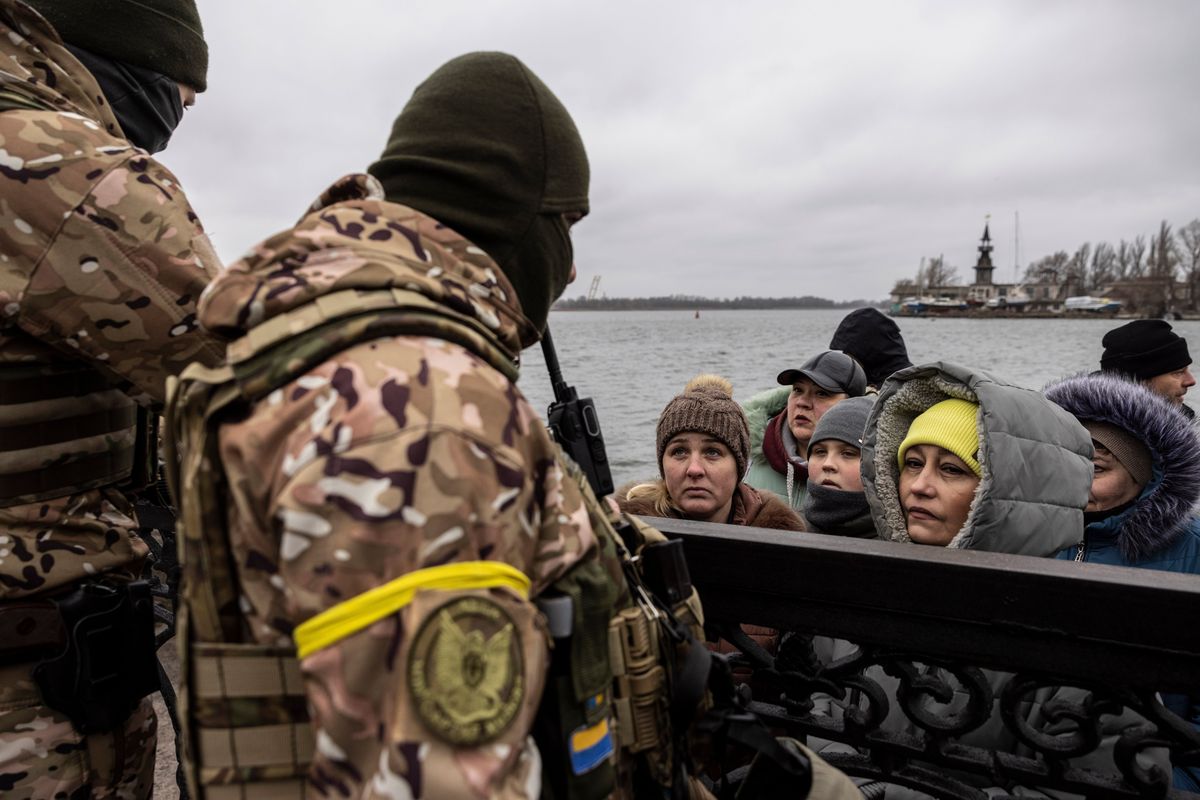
(1100, 545)
(1159, 530)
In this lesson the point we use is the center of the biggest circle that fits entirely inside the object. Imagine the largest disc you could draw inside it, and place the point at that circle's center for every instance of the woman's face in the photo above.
(936, 489)
(701, 475)
(835, 464)
(806, 404)
(1112, 485)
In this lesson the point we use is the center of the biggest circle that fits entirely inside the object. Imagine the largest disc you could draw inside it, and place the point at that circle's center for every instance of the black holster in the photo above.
(108, 664)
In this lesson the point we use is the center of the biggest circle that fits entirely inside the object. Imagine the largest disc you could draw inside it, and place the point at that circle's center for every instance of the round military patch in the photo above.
(465, 671)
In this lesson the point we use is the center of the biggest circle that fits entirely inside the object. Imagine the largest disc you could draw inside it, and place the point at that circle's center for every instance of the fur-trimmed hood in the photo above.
(1160, 513)
(1036, 461)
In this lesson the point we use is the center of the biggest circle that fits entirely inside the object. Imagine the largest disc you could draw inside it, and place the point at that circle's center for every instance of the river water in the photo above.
(633, 362)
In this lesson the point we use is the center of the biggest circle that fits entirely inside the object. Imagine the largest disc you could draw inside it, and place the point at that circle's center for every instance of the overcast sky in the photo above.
(770, 149)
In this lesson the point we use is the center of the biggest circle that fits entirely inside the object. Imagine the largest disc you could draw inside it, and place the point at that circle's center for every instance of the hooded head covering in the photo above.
(486, 149)
(1161, 512)
(1035, 460)
(873, 339)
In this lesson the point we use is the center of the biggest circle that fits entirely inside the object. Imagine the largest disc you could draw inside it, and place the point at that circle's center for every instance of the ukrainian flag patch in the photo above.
(590, 746)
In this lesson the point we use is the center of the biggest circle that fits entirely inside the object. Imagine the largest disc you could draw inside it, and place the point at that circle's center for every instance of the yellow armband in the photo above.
(351, 616)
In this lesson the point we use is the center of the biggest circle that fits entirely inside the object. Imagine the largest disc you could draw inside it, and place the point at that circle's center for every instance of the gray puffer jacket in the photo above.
(1037, 471)
(1036, 460)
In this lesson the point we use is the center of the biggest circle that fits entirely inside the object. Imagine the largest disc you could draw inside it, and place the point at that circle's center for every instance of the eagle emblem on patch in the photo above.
(465, 671)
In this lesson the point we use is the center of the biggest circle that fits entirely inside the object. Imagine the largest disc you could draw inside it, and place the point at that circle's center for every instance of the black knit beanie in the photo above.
(486, 149)
(1144, 348)
(706, 406)
(160, 35)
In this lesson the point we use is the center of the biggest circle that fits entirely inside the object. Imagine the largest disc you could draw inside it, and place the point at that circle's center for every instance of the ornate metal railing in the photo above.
(971, 670)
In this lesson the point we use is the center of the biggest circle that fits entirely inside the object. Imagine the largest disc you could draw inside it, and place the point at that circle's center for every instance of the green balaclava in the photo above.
(164, 36)
(485, 148)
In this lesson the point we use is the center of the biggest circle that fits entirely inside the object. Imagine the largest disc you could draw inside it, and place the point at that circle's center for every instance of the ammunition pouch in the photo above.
(108, 662)
(623, 689)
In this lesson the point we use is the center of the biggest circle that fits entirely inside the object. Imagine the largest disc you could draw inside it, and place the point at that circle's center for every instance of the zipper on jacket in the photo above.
(1079, 555)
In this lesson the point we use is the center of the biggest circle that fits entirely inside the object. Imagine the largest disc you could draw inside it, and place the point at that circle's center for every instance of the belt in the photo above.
(30, 630)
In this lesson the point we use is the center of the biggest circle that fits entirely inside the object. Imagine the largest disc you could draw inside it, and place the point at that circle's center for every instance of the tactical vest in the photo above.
(605, 725)
(66, 427)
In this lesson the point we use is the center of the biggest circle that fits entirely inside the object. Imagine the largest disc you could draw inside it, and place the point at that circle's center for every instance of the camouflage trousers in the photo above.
(42, 756)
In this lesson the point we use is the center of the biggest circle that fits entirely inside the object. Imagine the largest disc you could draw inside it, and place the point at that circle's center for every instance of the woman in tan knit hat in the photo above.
(703, 446)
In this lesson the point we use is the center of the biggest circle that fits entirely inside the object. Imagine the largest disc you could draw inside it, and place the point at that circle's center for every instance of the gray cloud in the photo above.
(757, 148)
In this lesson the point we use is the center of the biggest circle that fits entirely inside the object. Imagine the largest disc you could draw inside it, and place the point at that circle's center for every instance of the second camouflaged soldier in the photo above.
(102, 263)
(365, 488)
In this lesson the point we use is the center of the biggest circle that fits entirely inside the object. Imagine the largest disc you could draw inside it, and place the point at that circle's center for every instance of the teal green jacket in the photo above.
(790, 486)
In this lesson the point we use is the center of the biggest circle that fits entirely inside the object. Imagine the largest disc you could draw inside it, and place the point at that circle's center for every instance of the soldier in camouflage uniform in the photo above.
(364, 487)
(102, 262)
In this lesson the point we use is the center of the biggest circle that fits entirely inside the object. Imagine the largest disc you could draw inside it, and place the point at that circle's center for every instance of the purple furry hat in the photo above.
(1160, 512)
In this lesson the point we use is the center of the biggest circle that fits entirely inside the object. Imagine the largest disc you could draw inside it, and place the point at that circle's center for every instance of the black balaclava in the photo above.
(486, 149)
(146, 103)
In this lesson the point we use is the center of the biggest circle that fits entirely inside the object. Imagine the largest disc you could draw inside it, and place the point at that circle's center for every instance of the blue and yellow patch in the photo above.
(590, 746)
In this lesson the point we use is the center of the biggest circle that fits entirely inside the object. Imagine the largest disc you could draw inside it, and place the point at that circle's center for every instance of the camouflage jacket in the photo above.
(396, 455)
(102, 262)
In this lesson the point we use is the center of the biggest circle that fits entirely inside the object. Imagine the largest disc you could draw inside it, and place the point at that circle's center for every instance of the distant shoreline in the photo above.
(707, 304)
(986, 315)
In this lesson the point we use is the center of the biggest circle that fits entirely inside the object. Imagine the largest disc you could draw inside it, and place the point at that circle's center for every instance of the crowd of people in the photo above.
(1095, 467)
(1100, 467)
(394, 584)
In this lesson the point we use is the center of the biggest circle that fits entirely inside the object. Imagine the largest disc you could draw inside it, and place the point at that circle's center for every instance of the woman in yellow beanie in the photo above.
(957, 458)
(939, 471)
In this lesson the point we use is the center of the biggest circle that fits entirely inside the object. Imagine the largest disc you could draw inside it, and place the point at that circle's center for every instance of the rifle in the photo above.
(575, 426)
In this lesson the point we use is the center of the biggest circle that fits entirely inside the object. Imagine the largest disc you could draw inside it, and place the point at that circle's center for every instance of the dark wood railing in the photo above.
(970, 670)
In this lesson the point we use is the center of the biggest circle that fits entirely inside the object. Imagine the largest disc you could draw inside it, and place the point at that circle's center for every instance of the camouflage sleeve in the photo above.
(438, 700)
(121, 274)
(397, 456)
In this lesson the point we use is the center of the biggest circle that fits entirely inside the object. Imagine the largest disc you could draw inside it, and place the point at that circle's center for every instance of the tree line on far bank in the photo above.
(683, 302)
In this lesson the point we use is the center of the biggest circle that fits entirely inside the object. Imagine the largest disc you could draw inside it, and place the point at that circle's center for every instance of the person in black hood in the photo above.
(505, 168)
(873, 340)
(148, 57)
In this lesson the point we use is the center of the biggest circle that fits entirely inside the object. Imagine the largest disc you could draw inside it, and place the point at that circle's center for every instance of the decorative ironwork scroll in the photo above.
(967, 671)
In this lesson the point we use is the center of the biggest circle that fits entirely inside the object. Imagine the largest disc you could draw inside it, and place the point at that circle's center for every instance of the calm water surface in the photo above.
(633, 362)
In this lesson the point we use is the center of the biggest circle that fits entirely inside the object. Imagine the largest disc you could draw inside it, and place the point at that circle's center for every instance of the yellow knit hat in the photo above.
(950, 425)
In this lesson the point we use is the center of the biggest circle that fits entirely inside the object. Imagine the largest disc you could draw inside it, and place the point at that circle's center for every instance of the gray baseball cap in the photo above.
(832, 370)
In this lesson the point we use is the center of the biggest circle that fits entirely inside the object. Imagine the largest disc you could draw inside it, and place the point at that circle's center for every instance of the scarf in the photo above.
(838, 512)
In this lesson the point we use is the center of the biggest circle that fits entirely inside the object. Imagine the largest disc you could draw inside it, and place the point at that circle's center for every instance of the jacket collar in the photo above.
(351, 238)
(36, 66)
(779, 448)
